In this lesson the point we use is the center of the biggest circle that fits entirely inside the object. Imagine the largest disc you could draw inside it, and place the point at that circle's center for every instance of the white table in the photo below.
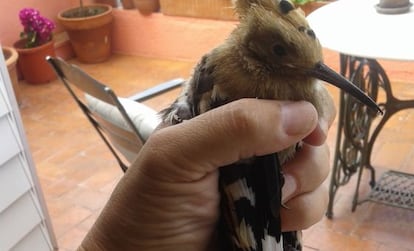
(362, 35)
(354, 27)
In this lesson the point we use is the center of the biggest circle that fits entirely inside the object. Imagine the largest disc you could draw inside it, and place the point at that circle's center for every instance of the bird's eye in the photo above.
(311, 33)
(279, 50)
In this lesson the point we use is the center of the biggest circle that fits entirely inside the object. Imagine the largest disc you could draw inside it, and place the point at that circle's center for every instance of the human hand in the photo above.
(168, 199)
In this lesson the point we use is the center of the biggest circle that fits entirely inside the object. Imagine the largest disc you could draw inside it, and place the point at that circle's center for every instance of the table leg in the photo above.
(354, 142)
(356, 137)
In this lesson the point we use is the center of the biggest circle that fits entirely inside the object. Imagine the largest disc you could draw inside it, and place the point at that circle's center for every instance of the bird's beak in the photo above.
(323, 72)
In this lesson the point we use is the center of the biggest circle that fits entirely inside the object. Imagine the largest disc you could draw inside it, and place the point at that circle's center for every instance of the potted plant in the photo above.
(89, 29)
(35, 44)
(310, 5)
(11, 56)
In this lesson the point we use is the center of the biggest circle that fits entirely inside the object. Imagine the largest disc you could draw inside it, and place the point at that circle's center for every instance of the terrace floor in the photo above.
(78, 173)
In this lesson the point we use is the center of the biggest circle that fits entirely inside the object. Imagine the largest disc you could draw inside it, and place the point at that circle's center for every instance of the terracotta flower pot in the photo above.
(32, 62)
(113, 3)
(11, 56)
(90, 36)
(128, 4)
(146, 7)
(312, 6)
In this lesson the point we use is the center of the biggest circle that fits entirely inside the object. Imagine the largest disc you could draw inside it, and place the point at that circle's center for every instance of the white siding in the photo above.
(24, 220)
(11, 172)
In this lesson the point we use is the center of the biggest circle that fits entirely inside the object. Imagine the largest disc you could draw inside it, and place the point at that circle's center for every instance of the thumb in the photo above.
(238, 130)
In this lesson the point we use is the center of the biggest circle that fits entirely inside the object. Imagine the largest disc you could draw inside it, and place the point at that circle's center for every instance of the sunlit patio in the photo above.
(78, 173)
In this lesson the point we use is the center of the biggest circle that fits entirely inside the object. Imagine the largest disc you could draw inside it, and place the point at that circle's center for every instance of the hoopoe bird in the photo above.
(271, 54)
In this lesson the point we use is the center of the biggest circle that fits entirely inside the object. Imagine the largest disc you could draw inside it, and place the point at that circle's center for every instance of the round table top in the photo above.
(354, 27)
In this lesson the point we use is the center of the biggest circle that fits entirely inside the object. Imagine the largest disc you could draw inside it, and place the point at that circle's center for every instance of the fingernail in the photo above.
(298, 118)
(289, 187)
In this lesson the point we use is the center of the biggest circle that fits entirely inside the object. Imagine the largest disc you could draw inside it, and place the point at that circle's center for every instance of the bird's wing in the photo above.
(249, 189)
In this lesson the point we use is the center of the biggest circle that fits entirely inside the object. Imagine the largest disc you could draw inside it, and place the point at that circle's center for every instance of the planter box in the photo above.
(213, 9)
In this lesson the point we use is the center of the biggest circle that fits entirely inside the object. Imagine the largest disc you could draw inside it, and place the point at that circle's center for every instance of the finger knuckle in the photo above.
(241, 119)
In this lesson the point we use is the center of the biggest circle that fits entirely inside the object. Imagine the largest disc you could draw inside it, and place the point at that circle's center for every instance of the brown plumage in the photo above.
(271, 54)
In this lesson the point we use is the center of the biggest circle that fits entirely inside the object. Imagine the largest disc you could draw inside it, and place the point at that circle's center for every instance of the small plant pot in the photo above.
(147, 7)
(32, 62)
(113, 3)
(11, 56)
(90, 36)
(128, 4)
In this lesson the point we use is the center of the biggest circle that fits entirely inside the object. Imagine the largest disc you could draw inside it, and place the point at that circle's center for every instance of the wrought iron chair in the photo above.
(124, 124)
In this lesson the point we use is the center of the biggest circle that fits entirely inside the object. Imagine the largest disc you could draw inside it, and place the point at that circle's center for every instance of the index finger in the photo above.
(318, 136)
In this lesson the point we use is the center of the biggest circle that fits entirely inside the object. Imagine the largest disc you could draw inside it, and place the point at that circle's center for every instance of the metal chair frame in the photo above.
(72, 76)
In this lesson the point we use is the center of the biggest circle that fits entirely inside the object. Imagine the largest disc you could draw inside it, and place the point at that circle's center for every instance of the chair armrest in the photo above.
(157, 90)
(144, 118)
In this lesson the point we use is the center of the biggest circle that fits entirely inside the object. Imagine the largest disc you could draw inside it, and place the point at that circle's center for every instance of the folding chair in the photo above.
(124, 124)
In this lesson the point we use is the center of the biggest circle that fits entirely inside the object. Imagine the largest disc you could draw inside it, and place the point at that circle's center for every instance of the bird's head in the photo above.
(276, 35)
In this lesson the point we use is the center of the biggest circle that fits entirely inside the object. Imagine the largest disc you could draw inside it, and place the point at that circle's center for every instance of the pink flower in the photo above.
(36, 29)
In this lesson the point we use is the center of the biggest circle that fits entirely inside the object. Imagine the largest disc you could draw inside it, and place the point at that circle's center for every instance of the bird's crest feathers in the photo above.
(277, 33)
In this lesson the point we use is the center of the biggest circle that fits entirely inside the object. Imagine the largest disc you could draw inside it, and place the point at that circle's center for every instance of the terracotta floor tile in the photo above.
(329, 241)
(102, 178)
(398, 150)
(87, 198)
(57, 207)
(387, 225)
(391, 247)
(71, 239)
(86, 224)
(78, 173)
(68, 219)
(60, 187)
(306, 248)
(108, 188)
